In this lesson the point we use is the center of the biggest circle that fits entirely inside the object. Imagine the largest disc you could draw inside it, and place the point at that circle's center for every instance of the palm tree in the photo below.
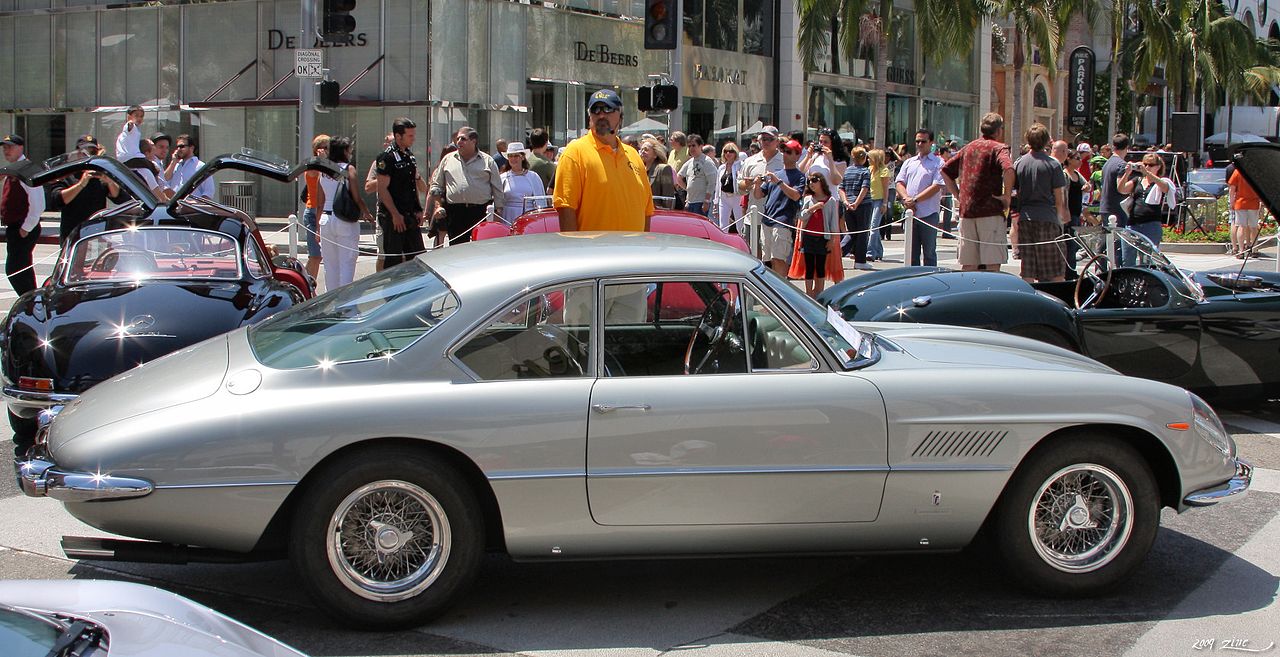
(1206, 53)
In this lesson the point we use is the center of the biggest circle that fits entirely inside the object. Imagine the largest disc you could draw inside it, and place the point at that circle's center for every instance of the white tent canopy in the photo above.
(644, 125)
(726, 132)
(1236, 138)
(754, 129)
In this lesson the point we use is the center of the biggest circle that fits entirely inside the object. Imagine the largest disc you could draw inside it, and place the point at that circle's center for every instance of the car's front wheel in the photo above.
(387, 539)
(1079, 516)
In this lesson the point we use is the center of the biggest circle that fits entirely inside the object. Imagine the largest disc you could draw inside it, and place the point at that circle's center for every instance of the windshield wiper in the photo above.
(74, 639)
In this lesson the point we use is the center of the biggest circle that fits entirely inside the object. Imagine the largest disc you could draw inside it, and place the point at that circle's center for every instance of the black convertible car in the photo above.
(1215, 333)
(138, 281)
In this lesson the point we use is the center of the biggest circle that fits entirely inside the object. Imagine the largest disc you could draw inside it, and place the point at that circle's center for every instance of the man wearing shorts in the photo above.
(1244, 221)
(984, 172)
(781, 194)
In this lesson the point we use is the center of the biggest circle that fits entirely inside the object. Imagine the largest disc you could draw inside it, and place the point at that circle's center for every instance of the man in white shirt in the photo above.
(768, 160)
(161, 144)
(183, 166)
(20, 208)
(696, 177)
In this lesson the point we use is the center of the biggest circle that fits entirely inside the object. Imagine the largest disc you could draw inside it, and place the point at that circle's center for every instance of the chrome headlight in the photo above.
(1210, 428)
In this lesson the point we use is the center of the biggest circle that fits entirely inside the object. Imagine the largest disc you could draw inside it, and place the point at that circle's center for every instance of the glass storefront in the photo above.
(849, 112)
(949, 120)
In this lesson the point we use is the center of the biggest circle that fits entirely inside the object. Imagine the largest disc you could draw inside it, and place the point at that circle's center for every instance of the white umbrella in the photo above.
(726, 132)
(1236, 138)
(754, 129)
(644, 125)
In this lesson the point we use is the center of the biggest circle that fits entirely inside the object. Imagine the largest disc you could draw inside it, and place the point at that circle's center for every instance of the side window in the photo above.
(666, 328)
(546, 335)
(254, 260)
(773, 346)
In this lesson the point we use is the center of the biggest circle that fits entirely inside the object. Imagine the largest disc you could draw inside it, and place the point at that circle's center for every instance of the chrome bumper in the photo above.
(39, 476)
(19, 398)
(1231, 489)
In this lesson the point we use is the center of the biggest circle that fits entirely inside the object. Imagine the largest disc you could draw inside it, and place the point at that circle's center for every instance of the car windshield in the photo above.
(853, 347)
(1148, 255)
(375, 317)
(143, 253)
(26, 635)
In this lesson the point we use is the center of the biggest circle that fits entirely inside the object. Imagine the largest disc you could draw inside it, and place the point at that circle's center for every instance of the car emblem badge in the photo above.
(142, 322)
(937, 498)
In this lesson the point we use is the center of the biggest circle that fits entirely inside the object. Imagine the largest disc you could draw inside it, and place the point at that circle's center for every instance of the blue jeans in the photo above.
(696, 208)
(875, 248)
(312, 232)
(1152, 230)
(924, 238)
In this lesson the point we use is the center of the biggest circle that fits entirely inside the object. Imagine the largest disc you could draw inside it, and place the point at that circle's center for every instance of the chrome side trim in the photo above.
(235, 485)
(763, 470)
(950, 467)
(517, 474)
(36, 399)
(1231, 489)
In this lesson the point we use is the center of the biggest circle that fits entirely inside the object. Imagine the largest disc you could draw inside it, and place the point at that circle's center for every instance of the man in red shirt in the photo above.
(983, 170)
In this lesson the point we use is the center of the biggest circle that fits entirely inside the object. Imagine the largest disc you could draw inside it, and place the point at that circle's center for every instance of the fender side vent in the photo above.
(955, 444)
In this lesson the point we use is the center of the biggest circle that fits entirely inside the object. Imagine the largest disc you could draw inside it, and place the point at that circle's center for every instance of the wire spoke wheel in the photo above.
(1081, 518)
(388, 540)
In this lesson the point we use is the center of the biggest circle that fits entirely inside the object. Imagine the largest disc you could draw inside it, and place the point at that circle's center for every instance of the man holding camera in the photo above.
(80, 197)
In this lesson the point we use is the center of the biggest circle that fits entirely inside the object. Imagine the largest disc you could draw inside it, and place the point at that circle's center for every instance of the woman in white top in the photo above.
(519, 183)
(826, 156)
(340, 238)
(729, 203)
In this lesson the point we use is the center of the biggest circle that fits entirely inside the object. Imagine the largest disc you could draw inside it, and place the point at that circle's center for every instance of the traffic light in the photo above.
(328, 93)
(337, 19)
(666, 97)
(660, 31)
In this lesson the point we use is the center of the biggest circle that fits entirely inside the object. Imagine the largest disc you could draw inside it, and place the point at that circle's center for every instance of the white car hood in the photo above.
(142, 621)
(951, 345)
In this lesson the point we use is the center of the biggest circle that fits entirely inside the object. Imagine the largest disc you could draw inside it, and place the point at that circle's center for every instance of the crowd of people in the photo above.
(810, 202)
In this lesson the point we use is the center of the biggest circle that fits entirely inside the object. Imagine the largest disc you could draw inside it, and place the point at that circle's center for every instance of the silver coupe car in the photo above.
(596, 395)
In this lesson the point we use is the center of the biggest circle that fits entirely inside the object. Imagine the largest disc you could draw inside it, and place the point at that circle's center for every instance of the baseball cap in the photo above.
(607, 96)
(793, 146)
(160, 135)
(1084, 148)
(14, 140)
(769, 130)
(86, 140)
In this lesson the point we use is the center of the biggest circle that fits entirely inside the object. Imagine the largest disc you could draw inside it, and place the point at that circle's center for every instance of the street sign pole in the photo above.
(306, 114)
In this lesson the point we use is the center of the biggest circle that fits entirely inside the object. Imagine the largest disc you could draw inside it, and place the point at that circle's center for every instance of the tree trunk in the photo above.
(835, 44)
(1016, 110)
(1117, 27)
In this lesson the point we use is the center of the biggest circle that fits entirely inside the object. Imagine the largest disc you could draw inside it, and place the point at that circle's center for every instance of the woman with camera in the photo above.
(1154, 196)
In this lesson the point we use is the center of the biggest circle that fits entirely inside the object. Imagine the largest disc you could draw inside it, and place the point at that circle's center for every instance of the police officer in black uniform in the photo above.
(399, 209)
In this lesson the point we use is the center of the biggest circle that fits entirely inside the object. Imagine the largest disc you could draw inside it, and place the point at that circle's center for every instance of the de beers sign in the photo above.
(1080, 87)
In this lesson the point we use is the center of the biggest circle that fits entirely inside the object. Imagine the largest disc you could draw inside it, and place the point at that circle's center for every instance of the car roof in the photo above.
(535, 260)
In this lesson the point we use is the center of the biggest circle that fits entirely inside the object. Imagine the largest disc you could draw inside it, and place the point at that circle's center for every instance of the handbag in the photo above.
(344, 207)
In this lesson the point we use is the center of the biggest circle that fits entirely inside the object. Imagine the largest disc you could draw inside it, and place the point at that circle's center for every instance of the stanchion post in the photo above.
(908, 234)
(753, 230)
(1109, 235)
(293, 236)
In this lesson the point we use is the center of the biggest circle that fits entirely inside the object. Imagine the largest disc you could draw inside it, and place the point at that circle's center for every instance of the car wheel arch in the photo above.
(1158, 457)
(276, 536)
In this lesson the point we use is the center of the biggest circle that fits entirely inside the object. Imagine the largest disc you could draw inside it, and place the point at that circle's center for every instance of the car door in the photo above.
(758, 431)
(1147, 326)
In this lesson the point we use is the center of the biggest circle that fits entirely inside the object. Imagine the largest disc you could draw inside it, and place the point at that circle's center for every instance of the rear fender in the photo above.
(996, 310)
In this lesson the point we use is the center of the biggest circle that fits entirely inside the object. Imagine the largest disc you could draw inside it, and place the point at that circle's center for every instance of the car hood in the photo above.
(882, 296)
(969, 347)
(142, 621)
(82, 335)
(183, 376)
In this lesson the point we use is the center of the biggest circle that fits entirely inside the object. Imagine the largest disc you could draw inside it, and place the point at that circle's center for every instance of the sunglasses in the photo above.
(922, 141)
(183, 146)
(815, 179)
(468, 138)
(601, 109)
(768, 138)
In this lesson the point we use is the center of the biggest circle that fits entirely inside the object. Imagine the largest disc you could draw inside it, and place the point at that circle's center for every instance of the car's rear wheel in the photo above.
(387, 539)
(1079, 516)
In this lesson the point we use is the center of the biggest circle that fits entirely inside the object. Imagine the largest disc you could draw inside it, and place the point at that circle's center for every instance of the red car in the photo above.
(672, 222)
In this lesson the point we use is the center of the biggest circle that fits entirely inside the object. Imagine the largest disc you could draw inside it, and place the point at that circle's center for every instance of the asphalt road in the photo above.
(1212, 576)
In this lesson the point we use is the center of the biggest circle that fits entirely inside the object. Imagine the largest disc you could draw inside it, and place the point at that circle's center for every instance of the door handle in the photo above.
(609, 408)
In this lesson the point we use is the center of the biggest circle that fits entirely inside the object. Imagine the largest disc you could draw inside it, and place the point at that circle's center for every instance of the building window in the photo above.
(693, 21)
(757, 27)
(722, 33)
(1041, 96)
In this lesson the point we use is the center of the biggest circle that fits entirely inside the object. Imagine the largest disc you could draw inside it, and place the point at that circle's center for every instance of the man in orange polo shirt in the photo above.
(1248, 210)
(601, 183)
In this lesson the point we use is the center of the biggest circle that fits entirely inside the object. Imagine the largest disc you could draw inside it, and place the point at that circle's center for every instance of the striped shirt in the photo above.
(856, 178)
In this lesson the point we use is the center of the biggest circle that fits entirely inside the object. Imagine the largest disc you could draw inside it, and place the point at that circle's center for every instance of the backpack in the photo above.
(344, 207)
